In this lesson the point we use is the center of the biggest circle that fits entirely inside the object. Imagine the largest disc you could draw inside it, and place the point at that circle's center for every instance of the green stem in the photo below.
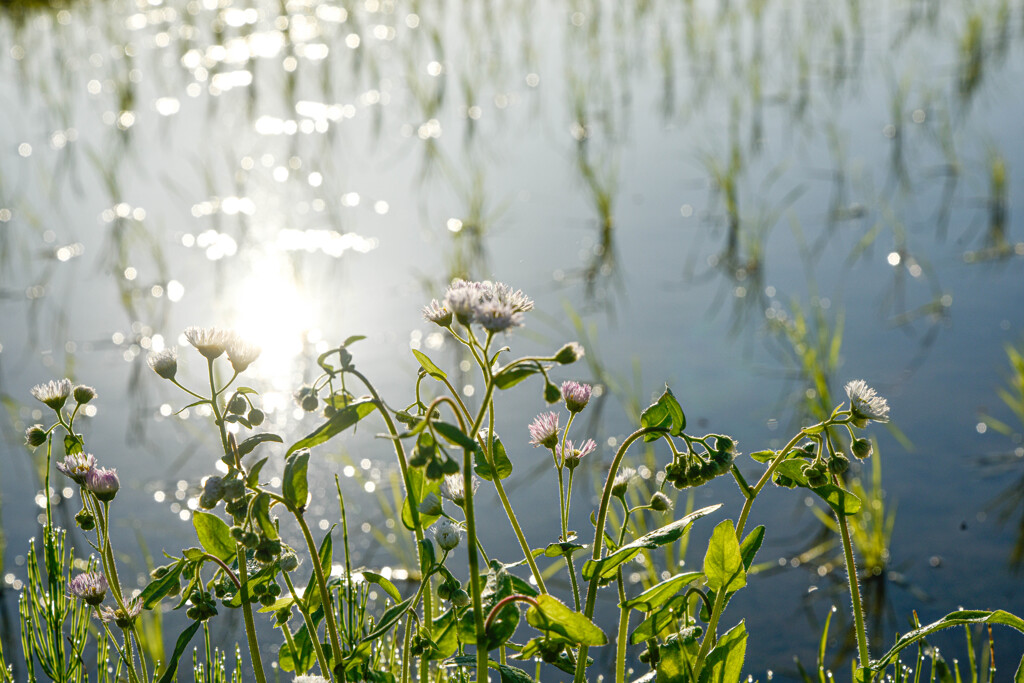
(310, 626)
(250, 626)
(321, 582)
(851, 574)
(620, 639)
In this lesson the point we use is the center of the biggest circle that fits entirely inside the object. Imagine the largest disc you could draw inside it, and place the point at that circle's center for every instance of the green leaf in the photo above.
(280, 603)
(500, 458)
(1019, 676)
(325, 553)
(388, 620)
(958, 618)
(73, 444)
(339, 422)
(657, 595)
(428, 365)
(559, 549)
(763, 456)
(214, 535)
(389, 588)
(509, 378)
(551, 616)
(725, 662)
(499, 586)
(445, 634)
(261, 513)
(158, 588)
(454, 435)
(179, 649)
(419, 488)
(673, 665)
(840, 500)
(723, 563)
(664, 617)
(665, 413)
(294, 485)
(606, 566)
(253, 477)
(750, 545)
(302, 657)
(255, 440)
(193, 554)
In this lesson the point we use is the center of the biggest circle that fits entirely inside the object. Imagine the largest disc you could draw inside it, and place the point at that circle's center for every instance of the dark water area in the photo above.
(753, 201)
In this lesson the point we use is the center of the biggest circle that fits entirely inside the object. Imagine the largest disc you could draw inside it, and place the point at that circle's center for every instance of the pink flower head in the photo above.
(89, 586)
(103, 483)
(544, 430)
(77, 466)
(576, 395)
(572, 454)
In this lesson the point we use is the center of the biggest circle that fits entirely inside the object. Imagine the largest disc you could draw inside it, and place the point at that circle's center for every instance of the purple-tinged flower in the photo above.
(495, 316)
(77, 466)
(436, 313)
(54, 393)
(241, 354)
(513, 298)
(89, 586)
(164, 363)
(103, 483)
(576, 395)
(453, 489)
(447, 534)
(572, 454)
(865, 404)
(211, 342)
(123, 618)
(544, 430)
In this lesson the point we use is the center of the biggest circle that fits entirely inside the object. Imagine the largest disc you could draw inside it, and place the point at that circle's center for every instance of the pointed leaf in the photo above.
(388, 620)
(606, 566)
(454, 435)
(261, 513)
(179, 649)
(253, 477)
(294, 485)
(725, 662)
(421, 487)
(723, 562)
(158, 588)
(663, 618)
(958, 618)
(665, 413)
(214, 535)
(428, 365)
(551, 616)
(500, 458)
(339, 422)
(657, 595)
(388, 587)
(510, 378)
(750, 545)
(255, 440)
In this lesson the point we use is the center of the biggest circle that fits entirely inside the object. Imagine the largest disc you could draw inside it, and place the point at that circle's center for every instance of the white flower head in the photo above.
(447, 534)
(453, 489)
(622, 479)
(164, 363)
(241, 354)
(54, 393)
(865, 404)
(210, 341)
(311, 679)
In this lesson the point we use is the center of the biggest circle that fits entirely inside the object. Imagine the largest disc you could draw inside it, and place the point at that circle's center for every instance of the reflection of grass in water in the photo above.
(1010, 502)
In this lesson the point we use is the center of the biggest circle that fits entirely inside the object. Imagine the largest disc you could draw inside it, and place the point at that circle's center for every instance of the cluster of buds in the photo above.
(203, 606)
(695, 469)
(83, 469)
(217, 488)
(265, 593)
(435, 462)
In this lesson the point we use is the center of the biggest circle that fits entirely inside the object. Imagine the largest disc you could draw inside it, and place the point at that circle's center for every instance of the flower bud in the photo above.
(660, 502)
(35, 436)
(460, 598)
(309, 403)
(164, 363)
(237, 405)
(861, 448)
(85, 520)
(446, 534)
(431, 505)
(552, 394)
(84, 394)
(103, 483)
(838, 464)
(288, 562)
(576, 395)
(570, 353)
(256, 417)
(233, 489)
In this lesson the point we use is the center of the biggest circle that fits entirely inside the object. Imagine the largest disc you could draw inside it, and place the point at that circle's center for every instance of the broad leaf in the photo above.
(454, 435)
(339, 422)
(665, 413)
(214, 535)
(158, 588)
(665, 617)
(261, 513)
(725, 662)
(723, 562)
(294, 485)
(419, 488)
(605, 567)
(673, 664)
(500, 458)
(428, 365)
(255, 440)
(958, 618)
(388, 587)
(552, 617)
(510, 378)
(840, 500)
(657, 595)
(445, 634)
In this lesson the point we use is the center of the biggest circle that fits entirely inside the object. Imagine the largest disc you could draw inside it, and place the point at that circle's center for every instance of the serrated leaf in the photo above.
(500, 458)
(509, 378)
(605, 567)
(339, 422)
(294, 485)
(255, 440)
(551, 616)
(389, 588)
(657, 595)
(723, 562)
(428, 365)
(725, 662)
(214, 535)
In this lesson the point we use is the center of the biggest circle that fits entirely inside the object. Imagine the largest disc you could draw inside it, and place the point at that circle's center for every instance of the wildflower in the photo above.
(570, 353)
(660, 502)
(164, 363)
(576, 395)
(311, 679)
(431, 505)
(453, 489)
(494, 305)
(241, 354)
(35, 436)
(572, 455)
(865, 404)
(103, 483)
(84, 394)
(211, 342)
(544, 430)
(122, 617)
(447, 534)
(495, 316)
(436, 313)
(89, 586)
(462, 299)
(54, 393)
(621, 482)
(77, 466)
